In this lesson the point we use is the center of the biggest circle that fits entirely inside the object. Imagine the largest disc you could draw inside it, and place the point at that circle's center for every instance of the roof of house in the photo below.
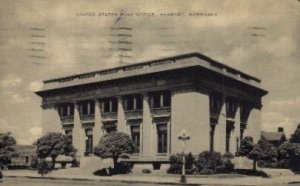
(25, 150)
(272, 136)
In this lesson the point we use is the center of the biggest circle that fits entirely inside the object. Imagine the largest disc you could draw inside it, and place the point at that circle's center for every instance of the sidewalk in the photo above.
(76, 174)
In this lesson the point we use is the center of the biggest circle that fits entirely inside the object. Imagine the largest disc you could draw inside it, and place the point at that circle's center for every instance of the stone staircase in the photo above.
(277, 172)
(245, 163)
(95, 163)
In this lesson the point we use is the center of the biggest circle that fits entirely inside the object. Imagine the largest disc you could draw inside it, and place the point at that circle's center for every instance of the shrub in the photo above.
(43, 167)
(34, 162)
(113, 145)
(75, 163)
(227, 166)
(208, 160)
(206, 172)
(53, 144)
(122, 168)
(176, 163)
(228, 155)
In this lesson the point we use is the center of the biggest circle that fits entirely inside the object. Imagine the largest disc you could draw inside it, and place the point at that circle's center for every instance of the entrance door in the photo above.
(89, 142)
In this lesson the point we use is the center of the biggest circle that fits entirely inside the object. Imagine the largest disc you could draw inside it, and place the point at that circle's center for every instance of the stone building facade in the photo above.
(153, 102)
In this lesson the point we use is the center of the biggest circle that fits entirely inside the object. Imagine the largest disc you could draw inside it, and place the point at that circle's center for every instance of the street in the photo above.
(49, 182)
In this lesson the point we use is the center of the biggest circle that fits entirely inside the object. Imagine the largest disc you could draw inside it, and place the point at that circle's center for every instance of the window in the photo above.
(87, 107)
(160, 99)
(26, 159)
(89, 141)
(133, 102)
(69, 134)
(229, 128)
(135, 137)
(66, 110)
(109, 105)
(110, 127)
(162, 138)
(215, 102)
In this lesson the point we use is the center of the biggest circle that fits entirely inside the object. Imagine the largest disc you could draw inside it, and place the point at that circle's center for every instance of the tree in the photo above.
(289, 155)
(260, 151)
(43, 167)
(6, 150)
(295, 138)
(113, 144)
(53, 144)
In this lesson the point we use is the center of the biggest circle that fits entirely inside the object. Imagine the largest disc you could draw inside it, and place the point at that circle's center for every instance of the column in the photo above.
(121, 116)
(78, 132)
(51, 120)
(220, 130)
(212, 136)
(243, 127)
(147, 131)
(235, 135)
(254, 124)
(190, 111)
(97, 131)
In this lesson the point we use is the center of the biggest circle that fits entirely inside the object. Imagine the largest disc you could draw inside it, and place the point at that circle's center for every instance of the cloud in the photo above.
(11, 81)
(13, 97)
(282, 47)
(17, 98)
(285, 102)
(35, 86)
(5, 126)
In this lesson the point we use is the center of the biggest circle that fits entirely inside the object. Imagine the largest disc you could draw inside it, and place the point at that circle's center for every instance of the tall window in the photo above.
(229, 128)
(133, 102)
(109, 127)
(69, 134)
(89, 141)
(87, 107)
(215, 103)
(160, 99)
(109, 105)
(66, 109)
(135, 137)
(231, 107)
(162, 138)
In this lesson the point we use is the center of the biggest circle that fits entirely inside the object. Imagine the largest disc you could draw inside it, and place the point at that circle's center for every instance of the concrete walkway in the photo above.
(77, 174)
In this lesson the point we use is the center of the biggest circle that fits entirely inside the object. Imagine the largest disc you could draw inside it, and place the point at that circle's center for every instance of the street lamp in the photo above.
(183, 136)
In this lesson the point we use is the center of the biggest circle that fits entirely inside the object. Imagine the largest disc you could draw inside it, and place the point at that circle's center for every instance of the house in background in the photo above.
(25, 155)
(275, 138)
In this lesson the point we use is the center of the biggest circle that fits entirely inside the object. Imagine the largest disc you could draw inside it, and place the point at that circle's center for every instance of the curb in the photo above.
(122, 181)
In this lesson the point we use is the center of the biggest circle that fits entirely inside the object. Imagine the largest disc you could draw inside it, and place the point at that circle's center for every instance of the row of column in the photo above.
(226, 132)
(147, 129)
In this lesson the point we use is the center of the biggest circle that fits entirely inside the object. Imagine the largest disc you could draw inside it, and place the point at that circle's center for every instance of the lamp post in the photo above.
(183, 136)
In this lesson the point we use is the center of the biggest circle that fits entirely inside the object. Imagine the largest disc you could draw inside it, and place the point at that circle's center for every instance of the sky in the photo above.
(43, 39)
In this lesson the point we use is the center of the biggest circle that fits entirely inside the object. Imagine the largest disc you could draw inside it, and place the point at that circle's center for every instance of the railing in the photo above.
(133, 114)
(159, 63)
(67, 119)
(88, 117)
(160, 111)
(109, 115)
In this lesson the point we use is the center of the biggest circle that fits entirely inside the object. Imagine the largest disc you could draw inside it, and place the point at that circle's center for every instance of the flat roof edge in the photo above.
(188, 55)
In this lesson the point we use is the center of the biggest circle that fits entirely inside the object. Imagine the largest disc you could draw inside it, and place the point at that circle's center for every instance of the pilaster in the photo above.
(147, 128)
(121, 117)
(97, 131)
(220, 129)
(78, 132)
